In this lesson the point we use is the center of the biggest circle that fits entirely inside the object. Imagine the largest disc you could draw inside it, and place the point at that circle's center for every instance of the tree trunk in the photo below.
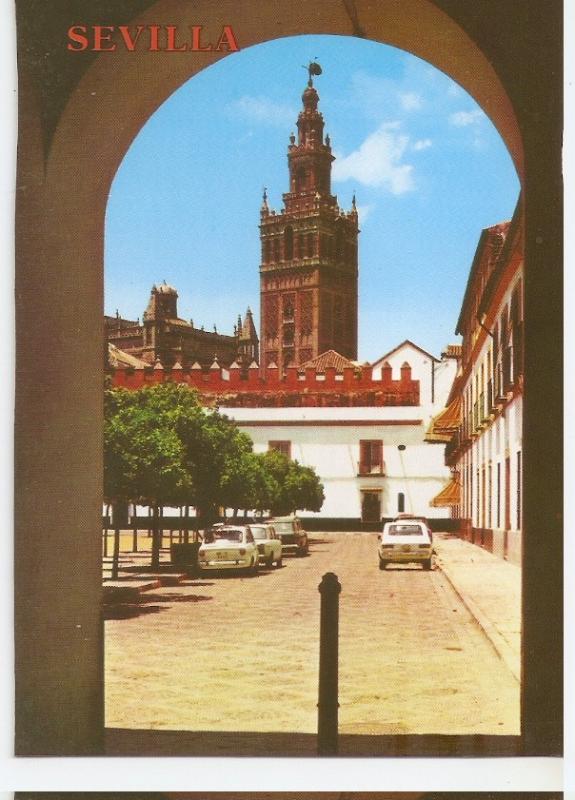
(107, 515)
(187, 526)
(135, 534)
(156, 536)
(116, 554)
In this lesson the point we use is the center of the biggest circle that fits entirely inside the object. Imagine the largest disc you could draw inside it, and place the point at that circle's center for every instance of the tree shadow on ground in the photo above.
(128, 611)
(159, 597)
(118, 611)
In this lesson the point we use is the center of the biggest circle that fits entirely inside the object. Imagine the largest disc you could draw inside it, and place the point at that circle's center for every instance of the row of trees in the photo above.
(162, 448)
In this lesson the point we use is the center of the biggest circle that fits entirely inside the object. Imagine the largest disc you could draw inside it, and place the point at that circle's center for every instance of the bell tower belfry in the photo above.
(309, 266)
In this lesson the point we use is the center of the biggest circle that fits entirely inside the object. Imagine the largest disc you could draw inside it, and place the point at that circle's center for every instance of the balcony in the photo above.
(365, 470)
(486, 407)
(507, 369)
(475, 426)
(500, 393)
(452, 449)
(491, 404)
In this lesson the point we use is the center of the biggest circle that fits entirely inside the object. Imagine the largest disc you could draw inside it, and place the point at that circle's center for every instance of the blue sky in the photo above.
(428, 168)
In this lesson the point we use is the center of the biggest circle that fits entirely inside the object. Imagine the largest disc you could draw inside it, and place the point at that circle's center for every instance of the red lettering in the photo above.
(227, 40)
(103, 36)
(196, 39)
(154, 33)
(171, 46)
(76, 34)
(129, 42)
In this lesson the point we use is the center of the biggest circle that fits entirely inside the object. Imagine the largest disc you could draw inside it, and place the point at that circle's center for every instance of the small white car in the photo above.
(228, 547)
(406, 541)
(268, 543)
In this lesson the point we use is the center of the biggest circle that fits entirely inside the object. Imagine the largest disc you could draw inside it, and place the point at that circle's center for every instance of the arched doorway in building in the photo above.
(64, 199)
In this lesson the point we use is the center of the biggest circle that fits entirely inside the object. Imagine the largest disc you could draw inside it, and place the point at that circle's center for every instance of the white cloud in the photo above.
(261, 109)
(454, 90)
(422, 144)
(410, 101)
(461, 119)
(378, 161)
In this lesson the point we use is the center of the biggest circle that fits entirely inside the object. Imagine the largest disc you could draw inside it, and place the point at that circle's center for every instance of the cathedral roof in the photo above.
(119, 358)
(328, 359)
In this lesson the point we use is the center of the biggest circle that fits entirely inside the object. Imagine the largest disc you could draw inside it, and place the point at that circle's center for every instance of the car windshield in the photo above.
(284, 527)
(259, 532)
(223, 534)
(405, 530)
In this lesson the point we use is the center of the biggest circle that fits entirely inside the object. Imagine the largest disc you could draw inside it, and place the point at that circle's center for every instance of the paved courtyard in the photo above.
(241, 654)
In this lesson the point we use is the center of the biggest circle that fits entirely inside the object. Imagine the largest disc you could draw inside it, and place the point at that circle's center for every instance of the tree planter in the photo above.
(185, 556)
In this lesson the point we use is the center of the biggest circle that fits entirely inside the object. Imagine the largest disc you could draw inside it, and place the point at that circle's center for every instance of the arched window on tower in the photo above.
(299, 180)
(288, 243)
(310, 245)
(276, 249)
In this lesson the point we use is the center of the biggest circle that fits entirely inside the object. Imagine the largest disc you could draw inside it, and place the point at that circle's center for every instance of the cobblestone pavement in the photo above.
(241, 654)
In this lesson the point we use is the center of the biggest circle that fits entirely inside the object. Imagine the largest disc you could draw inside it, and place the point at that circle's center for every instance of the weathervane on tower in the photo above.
(313, 68)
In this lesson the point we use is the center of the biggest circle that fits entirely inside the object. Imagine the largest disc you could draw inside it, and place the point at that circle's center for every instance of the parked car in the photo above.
(268, 543)
(406, 541)
(293, 537)
(228, 547)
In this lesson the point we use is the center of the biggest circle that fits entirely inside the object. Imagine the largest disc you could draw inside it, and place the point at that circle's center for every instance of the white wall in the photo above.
(320, 438)
(501, 439)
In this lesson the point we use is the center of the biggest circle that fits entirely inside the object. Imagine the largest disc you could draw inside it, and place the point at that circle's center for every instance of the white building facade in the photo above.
(485, 450)
(373, 461)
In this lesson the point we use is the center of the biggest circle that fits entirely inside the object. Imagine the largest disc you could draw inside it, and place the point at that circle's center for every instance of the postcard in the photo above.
(288, 378)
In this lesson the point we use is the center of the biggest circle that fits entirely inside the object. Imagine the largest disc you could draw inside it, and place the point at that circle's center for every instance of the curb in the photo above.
(498, 642)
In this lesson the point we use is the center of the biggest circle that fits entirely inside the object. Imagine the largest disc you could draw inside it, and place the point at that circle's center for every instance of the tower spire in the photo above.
(308, 272)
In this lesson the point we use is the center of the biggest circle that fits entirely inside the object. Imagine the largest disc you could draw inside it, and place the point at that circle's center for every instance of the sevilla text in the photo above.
(153, 38)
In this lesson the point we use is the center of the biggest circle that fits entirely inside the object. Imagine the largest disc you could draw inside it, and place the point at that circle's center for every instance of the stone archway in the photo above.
(63, 186)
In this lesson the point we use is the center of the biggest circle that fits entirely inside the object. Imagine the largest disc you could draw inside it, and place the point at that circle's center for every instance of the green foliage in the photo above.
(144, 457)
(296, 487)
(162, 448)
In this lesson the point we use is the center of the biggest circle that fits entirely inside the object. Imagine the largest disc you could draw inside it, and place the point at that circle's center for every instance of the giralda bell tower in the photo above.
(308, 272)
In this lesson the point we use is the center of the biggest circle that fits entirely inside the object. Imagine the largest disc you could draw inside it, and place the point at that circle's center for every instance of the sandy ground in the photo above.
(241, 654)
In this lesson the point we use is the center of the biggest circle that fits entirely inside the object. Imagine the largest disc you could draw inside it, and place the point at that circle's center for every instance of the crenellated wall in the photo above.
(234, 388)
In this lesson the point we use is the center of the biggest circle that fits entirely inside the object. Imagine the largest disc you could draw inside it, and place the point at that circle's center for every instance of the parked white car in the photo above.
(406, 541)
(228, 547)
(268, 543)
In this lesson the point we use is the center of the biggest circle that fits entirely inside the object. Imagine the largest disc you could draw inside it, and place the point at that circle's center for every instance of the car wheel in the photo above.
(279, 563)
(382, 563)
(270, 561)
(428, 564)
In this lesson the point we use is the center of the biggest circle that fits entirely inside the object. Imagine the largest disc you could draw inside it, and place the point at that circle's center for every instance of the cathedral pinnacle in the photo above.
(264, 210)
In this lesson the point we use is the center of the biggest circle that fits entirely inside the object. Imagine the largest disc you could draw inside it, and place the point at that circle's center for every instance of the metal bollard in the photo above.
(327, 718)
